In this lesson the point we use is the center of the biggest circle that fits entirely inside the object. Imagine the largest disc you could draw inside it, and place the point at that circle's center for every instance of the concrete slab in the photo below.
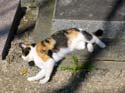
(44, 20)
(8, 9)
(112, 29)
(110, 65)
(90, 9)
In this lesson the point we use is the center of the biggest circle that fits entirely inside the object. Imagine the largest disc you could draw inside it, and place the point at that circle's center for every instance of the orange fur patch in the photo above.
(43, 48)
(50, 44)
(41, 51)
(71, 34)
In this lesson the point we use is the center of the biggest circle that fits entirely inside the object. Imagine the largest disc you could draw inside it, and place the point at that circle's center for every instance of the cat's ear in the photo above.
(22, 45)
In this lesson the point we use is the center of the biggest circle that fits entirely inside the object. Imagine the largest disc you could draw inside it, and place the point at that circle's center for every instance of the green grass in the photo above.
(76, 67)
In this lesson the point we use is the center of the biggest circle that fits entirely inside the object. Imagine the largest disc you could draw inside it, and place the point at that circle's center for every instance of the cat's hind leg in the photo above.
(90, 47)
(48, 70)
(80, 45)
(100, 43)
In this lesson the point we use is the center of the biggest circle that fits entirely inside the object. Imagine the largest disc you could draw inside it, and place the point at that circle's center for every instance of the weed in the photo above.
(76, 67)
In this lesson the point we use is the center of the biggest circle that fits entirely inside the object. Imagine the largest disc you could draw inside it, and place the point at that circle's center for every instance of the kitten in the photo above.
(51, 50)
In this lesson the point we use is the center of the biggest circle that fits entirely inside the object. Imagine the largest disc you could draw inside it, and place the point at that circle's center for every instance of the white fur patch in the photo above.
(59, 55)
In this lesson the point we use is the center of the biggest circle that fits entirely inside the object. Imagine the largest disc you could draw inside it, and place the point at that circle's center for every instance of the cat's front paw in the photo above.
(43, 81)
(30, 78)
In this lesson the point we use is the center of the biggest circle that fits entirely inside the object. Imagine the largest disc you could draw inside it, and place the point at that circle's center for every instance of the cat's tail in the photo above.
(100, 43)
(97, 34)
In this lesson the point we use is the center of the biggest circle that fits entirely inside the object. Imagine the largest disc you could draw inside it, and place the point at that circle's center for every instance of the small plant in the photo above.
(76, 67)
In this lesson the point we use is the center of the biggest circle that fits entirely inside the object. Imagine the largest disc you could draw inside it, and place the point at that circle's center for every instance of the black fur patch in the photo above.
(42, 42)
(31, 63)
(50, 53)
(87, 35)
(26, 51)
(61, 40)
(47, 41)
(98, 32)
(33, 44)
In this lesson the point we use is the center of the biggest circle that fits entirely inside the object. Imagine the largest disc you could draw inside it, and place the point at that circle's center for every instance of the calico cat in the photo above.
(51, 50)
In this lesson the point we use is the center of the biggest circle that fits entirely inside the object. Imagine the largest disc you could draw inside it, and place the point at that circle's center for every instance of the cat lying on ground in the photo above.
(51, 50)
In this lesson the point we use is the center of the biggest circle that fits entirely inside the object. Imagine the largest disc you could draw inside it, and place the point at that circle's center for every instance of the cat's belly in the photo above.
(61, 54)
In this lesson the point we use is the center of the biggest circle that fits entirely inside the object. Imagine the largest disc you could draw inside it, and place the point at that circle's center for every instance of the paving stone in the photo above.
(90, 9)
(8, 9)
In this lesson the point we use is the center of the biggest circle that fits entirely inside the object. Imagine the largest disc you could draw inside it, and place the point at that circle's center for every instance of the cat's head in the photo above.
(27, 51)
